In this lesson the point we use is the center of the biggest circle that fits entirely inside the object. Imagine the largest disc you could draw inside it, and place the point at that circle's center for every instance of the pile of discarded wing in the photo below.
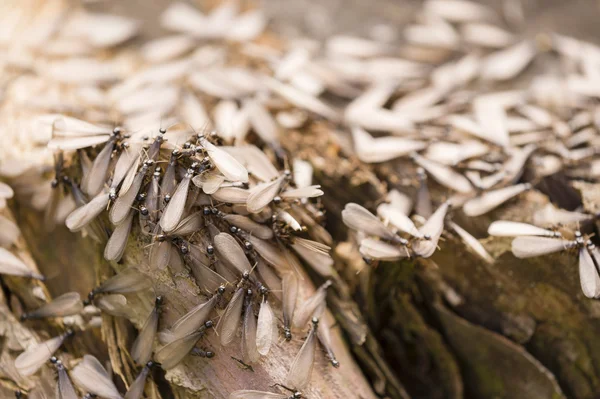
(231, 218)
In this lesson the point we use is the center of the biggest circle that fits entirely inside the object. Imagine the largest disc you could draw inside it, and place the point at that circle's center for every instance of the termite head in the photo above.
(263, 290)
(116, 131)
(277, 200)
(90, 298)
(158, 301)
(335, 363)
(209, 354)
(140, 197)
(18, 394)
(208, 324)
(144, 211)
(287, 333)
(167, 198)
(233, 229)
(54, 183)
(249, 293)
(210, 249)
(221, 290)
(287, 173)
(162, 130)
(296, 395)
(315, 321)
(69, 333)
(206, 211)
(112, 195)
(186, 145)
(214, 211)
(246, 275)
(248, 245)
(151, 364)
(183, 248)
(427, 237)
(160, 237)
(54, 360)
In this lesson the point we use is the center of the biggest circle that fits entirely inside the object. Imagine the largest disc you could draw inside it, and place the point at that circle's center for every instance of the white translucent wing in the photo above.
(301, 369)
(93, 181)
(233, 195)
(315, 254)
(492, 199)
(230, 321)
(505, 228)
(266, 329)
(588, 275)
(508, 63)
(173, 353)
(445, 175)
(64, 387)
(289, 286)
(262, 194)
(249, 348)
(141, 350)
(194, 319)
(375, 249)
(129, 280)
(136, 390)
(6, 191)
(433, 228)
(270, 253)
(304, 192)
(65, 305)
(124, 203)
(228, 165)
(527, 247)
(174, 210)
(358, 218)
(398, 219)
(230, 251)
(472, 243)
(308, 307)
(11, 265)
(30, 361)
(91, 376)
(115, 247)
(303, 173)
(84, 215)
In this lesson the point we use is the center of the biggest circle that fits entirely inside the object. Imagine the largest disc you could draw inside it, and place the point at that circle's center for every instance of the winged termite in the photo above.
(289, 220)
(299, 374)
(124, 203)
(380, 250)
(196, 317)
(312, 307)
(266, 329)
(423, 205)
(398, 219)
(431, 230)
(65, 305)
(588, 274)
(505, 228)
(289, 286)
(71, 134)
(315, 254)
(141, 350)
(206, 278)
(245, 223)
(13, 266)
(375, 150)
(324, 335)
(127, 281)
(249, 332)
(92, 377)
(472, 243)
(530, 246)
(230, 321)
(444, 175)
(358, 218)
(115, 247)
(30, 361)
(225, 163)
(262, 194)
(232, 195)
(136, 389)
(93, 182)
(231, 252)
(115, 305)
(64, 387)
(173, 353)
(492, 199)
